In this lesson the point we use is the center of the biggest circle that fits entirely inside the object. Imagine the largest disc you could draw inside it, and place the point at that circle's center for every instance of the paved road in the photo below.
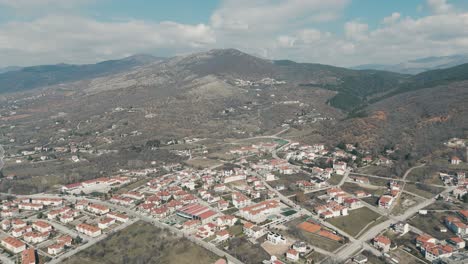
(5, 260)
(353, 247)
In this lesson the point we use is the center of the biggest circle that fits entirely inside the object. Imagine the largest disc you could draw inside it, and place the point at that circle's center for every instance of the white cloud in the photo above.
(394, 17)
(272, 15)
(77, 39)
(439, 6)
(270, 28)
(355, 30)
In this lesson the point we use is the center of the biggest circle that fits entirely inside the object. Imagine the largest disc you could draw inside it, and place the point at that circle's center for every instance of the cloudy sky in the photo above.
(338, 32)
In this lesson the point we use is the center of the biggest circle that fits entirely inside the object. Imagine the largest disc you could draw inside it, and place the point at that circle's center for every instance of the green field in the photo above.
(288, 213)
(355, 221)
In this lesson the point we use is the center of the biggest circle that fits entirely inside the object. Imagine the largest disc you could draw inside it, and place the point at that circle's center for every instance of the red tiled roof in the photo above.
(28, 256)
(16, 243)
(383, 240)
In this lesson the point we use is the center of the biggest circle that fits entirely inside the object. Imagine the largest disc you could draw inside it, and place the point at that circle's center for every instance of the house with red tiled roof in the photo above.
(28, 256)
(106, 222)
(455, 160)
(334, 191)
(122, 200)
(47, 201)
(386, 201)
(41, 226)
(223, 204)
(117, 216)
(81, 205)
(191, 224)
(65, 239)
(55, 249)
(252, 230)
(98, 209)
(6, 224)
(159, 212)
(89, 230)
(463, 214)
(435, 252)
(17, 232)
(222, 235)
(30, 206)
(292, 255)
(424, 239)
(12, 244)
(226, 220)
(456, 225)
(383, 243)
(260, 211)
(352, 203)
(36, 237)
(457, 242)
(361, 194)
(305, 185)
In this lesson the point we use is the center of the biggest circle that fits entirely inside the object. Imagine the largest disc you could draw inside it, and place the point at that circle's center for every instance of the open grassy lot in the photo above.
(355, 221)
(335, 179)
(245, 251)
(372, 200)
(202, 163)
(442, 205)
(134, 185)
(288, 181)
(379, 181)
(377, 221)
(143, 243)
(373, 259)
(375, 170)
(404, 202)
(425, 175)
(315, 256)
(431, 222)
(426, 191)
(352, 187)
(444, 163)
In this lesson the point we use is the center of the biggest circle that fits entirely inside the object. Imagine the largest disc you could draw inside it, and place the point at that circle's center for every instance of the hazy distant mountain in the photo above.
(45, 75)
(9, 68)
(418, 65)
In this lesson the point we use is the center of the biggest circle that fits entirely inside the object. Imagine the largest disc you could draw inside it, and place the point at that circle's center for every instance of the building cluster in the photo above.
(98, 184)
(337, 203)
(39, 223)
(458, 179)
(386, 200)
(264, 81)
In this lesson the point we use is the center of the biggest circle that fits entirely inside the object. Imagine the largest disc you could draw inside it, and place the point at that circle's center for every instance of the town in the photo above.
(299, 203)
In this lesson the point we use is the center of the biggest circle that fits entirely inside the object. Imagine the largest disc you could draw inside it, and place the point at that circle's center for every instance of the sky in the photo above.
(336, 32)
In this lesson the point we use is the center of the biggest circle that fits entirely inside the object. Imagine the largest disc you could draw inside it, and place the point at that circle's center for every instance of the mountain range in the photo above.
(418, 65)
(14, 79)
(200, 95)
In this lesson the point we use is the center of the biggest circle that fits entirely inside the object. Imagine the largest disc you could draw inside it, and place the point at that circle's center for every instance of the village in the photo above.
(299, 203)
